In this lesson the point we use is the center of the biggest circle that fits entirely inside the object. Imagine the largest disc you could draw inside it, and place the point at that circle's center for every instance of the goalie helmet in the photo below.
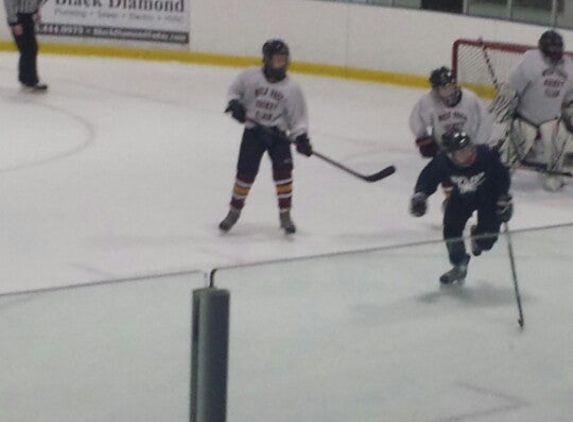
(551, 45)
(270, 49)
(441, 77)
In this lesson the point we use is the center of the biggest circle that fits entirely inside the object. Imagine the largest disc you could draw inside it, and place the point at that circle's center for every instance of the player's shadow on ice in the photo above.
(473, 293)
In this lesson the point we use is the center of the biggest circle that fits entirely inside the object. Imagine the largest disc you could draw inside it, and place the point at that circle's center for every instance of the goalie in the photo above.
(536, 104)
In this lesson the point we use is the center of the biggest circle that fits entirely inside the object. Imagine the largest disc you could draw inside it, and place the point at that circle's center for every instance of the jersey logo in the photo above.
(469, 184)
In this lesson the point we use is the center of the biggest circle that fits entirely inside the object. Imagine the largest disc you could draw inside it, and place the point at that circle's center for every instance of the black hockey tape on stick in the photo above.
(520, 320)
(382, 174)
(542, 168)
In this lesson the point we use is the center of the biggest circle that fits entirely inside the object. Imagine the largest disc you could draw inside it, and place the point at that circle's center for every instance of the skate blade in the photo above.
(452, 284)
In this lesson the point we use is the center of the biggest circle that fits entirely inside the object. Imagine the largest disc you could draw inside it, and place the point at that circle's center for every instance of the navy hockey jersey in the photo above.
(480, 183)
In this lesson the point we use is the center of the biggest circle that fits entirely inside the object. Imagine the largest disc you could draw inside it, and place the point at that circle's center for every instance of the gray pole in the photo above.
(209, 355)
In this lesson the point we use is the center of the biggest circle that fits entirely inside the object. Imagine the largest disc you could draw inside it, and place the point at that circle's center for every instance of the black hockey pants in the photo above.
(456, 216)
(255, 142)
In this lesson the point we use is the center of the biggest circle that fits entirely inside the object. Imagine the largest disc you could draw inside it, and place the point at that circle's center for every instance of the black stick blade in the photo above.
(541, 168)
(388, 171)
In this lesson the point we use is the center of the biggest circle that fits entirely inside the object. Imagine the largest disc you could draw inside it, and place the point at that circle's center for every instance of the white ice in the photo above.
(124, 169)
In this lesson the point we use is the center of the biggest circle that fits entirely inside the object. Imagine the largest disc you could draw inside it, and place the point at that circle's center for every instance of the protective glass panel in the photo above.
(532, 11)
(489, 8)
(564, 14)
(372, 336)
(107, 352)
(358, 336)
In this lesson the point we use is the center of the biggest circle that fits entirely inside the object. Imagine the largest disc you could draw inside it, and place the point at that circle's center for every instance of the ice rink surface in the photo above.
(125, 168)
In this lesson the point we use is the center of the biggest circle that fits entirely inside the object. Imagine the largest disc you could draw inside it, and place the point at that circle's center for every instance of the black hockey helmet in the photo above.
(455, 140)
(270, 49)
(459, 148)
(551, 45)
(442, 76)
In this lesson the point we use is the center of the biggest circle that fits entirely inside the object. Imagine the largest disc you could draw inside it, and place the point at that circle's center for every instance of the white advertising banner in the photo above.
(143, 20)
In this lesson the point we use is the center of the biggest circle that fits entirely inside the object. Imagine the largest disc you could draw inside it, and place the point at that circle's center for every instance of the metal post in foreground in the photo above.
(209, 355)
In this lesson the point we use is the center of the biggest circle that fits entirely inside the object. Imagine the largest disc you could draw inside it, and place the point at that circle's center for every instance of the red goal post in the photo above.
(470, 66)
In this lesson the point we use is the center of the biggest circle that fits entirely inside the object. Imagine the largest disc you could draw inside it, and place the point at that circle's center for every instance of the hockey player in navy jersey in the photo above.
(480, 183)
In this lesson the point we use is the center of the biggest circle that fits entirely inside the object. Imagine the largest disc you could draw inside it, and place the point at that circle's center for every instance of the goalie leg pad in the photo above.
(555, 137)
(504, 104)
(520, 139)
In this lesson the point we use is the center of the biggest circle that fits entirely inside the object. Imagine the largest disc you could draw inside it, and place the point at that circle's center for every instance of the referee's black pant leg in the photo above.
(456, 216)
(28, 48)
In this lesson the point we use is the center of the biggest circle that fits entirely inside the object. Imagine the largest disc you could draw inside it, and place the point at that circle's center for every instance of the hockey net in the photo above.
(470, 63)
(471, 68)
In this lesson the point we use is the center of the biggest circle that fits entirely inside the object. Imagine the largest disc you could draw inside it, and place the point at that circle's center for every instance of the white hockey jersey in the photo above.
(431, 116)
(542, 87)
(280, 104)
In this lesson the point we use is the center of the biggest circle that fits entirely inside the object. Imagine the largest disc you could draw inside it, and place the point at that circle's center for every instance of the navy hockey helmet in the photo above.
(441, 77)
(551, 45)
(270, 49)
(454, 141)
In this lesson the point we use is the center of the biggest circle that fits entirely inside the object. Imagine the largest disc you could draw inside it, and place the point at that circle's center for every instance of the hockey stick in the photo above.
(520, 320)
(385, 172)
(541, 168)
(489, 65)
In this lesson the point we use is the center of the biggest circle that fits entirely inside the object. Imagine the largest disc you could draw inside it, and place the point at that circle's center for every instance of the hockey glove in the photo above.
(504, 207)
(237, 110)
(418, 204)
(303, 145)
(427, 146)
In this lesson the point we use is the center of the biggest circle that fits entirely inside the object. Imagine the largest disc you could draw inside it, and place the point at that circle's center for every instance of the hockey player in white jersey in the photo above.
(272, 107)
(444, 109)
(537, 105)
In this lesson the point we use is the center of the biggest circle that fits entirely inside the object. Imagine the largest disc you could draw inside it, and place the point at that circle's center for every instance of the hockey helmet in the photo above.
(453, 143)
(551, 45)
(271, 48)
(455, 140)
(445, 87)
(441, 77)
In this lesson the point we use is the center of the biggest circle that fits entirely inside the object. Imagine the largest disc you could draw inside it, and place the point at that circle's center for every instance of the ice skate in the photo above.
(38, 87)
(476, 250)
(286, 223)
(457, 275)
(230, 220)
(552, 183)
